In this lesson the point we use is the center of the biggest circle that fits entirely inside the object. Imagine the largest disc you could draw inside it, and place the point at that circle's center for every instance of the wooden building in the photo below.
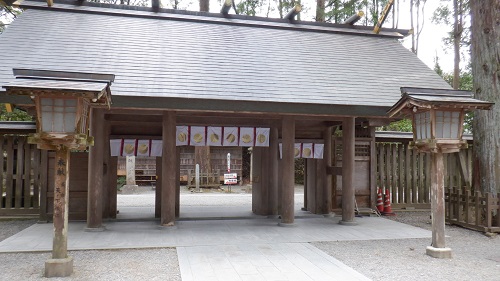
(306, 83)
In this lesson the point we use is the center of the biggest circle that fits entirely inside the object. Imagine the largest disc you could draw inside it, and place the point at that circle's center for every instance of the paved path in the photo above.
(248, 248)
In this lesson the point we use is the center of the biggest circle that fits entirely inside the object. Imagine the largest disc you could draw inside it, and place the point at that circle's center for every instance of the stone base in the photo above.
(330, 215)
(439, 253)
(59, 267)
(95, 229)
(168, 226)
(283, 224)
(348, 223)
(129, 189)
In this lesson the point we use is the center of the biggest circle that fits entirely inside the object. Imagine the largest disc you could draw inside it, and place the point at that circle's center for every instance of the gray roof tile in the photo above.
(200, 60)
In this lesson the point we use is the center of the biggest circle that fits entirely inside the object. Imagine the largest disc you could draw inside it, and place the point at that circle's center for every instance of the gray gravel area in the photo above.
(9, 227)
(475, 256)
(150, 264)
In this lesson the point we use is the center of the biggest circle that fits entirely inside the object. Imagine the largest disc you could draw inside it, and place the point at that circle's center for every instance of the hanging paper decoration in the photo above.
(128, 147)
(214, 136)
(297, 151)
(307, 150)
(247, 136)
(197, 136)
(230, 136)
(143, 147)
(115, 147)
(262, 136)
(318, 150)
(156, 148)
(182, 135)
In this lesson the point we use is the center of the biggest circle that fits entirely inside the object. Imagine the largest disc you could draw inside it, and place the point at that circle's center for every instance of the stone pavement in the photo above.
(218, 238)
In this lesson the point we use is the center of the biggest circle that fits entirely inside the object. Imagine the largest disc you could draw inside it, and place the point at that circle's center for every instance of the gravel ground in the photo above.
(475, 256)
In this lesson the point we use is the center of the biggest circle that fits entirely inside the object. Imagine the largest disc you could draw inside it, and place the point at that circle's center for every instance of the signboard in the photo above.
(231, 178)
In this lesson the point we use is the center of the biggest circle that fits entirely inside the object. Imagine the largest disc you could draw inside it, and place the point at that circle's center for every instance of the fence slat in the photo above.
(421, 190)
(477, 207)
(401, 182)
(27, 175)
(427, 185)
(381, 166)
(408, 174)
(395, 178)
(2, 171)
(414, 163)
(19, 172)
(36, 177)
(9, 173)
(388, 167)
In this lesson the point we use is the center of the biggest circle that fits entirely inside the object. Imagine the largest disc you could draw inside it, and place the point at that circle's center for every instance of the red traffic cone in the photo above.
(387, 204)
(380, 201)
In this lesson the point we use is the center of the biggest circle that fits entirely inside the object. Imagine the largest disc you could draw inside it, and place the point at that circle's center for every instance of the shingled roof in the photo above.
(210, 62)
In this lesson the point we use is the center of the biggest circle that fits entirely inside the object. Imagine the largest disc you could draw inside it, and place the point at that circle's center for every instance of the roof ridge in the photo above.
(79, 6)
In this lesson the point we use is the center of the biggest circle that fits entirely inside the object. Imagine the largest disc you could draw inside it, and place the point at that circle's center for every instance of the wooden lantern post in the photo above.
(437, 118)
(62, 108)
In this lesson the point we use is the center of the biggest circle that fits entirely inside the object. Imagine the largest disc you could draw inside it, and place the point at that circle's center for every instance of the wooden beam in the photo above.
(354, 18)
(226, 7)
(293, 12)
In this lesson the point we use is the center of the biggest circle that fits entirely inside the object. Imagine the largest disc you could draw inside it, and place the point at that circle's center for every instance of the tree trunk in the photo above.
(204, 5)
(486, 72)
(457, 35)
(320, 10)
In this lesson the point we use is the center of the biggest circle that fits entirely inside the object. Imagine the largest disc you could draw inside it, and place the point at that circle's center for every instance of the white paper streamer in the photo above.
(262, 137)
(297, 150)
(115, 147)
(307, 150)
(214, 136)
(230, 136)
(247, 136)
(197, 136)
(318, 150)
(181, 135)
(128, 147)
(156, 148)
(143, 148)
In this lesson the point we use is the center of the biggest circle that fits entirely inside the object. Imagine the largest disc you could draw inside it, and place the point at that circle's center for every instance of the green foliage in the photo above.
(398, 126)
(300, 165)
(15, 115)
(7, 15)
(121, 181)
(249, 7)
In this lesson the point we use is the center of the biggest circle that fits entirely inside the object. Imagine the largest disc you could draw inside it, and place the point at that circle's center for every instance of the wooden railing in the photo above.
(23, 175)
(473, 210)
(405, 172)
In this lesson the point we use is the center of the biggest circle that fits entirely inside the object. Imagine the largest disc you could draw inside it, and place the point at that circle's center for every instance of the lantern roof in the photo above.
(31, 82)
(436, 98)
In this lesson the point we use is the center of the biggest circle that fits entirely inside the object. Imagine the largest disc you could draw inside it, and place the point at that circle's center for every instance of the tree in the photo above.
(417, 20)
(485, 57)
(460, 35)
(204, 5)
(15, 115)
(7, 15)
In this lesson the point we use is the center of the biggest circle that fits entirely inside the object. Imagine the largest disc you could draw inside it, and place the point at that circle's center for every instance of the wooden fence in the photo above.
(22, 176)
(405, 172)
(473, 210)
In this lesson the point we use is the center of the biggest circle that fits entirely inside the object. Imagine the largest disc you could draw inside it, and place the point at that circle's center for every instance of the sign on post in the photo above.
(231, 178)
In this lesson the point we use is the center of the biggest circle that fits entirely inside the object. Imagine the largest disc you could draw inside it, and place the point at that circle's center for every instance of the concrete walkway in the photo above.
(243, 249)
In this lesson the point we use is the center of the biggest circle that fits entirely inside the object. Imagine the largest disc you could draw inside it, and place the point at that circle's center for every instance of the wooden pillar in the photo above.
(178, 183)
(304, 208)
(438, 248)
(327, 177)
(348, 134)
(113, 181)
(60, 265)
(61, 202)
(105, 171)
(288, 172)
(158, 187)
(169, 173)
(273, 172)
(95, 176)
(373, 170)
(311, 185)
(256, 180)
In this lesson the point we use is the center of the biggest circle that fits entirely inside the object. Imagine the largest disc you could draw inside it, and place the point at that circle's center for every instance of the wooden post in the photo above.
(158, 187)
(256, 180)
(288, 172)
(178, 183)
(348, 198)
(273, 171)
(106, 199)
(327, 159)
(438, 248)
(311, 185)
(95, 176)
(60, 265)
(169, 173)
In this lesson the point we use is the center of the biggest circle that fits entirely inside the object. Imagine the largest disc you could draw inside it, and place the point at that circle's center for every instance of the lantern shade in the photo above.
(62, 102)
(437, 116)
